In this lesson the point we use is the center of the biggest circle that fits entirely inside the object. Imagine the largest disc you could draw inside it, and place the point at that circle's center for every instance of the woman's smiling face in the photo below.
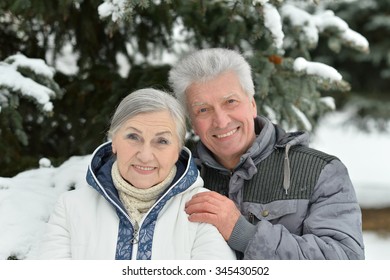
(147, 147)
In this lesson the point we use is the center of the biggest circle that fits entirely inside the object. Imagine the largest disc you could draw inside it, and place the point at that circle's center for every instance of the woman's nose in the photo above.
(145, 154)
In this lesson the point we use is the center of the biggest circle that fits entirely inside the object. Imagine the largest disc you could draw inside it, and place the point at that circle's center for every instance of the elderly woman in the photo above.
(140, 182)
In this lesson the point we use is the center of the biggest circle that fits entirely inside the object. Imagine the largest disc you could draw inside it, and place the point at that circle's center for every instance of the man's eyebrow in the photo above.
(226, 97)
(198, 104)
(230, 95)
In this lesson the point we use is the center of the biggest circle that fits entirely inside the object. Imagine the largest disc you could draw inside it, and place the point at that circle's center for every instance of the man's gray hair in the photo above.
(149, 100)
(206, 64)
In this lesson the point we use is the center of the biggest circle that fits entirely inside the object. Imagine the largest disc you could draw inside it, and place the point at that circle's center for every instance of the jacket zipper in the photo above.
(134, 241)
(135, 238)
(251, 218)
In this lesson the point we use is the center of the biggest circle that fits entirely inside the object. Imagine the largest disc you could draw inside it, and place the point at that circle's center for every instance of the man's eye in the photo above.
(231, 101)
(202, 110)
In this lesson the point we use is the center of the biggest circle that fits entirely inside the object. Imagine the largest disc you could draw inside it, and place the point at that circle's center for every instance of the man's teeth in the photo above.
(226, 134)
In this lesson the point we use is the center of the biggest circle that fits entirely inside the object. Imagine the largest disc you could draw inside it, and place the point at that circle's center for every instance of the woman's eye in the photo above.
(132, 136)
(163, 141)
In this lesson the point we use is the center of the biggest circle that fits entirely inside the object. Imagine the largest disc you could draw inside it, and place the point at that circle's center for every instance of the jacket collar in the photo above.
(99, 171)
(269, 136)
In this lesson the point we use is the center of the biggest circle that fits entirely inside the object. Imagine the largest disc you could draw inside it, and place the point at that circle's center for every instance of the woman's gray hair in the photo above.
(149, 100)
(206, 64)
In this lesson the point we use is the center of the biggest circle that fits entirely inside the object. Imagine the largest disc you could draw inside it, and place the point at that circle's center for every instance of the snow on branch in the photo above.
(328, 102)
(317, 68)
(38, 66)
(312, 25)
(113, 8)
(356, 39)
(11, 80)
(303, 19)
(273, 22)
(302, 117)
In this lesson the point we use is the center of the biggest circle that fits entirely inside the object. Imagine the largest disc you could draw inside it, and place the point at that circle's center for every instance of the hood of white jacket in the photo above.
(99, 175)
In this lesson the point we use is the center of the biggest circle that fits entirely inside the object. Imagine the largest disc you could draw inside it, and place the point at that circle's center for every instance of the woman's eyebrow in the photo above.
(133, 128)
(164, 132)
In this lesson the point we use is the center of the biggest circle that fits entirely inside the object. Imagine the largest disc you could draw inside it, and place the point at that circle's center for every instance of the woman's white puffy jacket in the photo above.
(91, 223)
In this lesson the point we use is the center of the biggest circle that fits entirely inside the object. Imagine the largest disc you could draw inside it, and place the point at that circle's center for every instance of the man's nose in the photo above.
(220, 118)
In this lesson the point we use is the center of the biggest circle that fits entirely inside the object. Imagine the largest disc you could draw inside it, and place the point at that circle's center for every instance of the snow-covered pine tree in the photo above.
(368, 73)
(101, 50)
(23, 79)
(276, 36)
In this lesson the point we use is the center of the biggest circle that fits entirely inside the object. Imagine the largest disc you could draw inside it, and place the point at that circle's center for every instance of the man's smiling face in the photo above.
(222, 114)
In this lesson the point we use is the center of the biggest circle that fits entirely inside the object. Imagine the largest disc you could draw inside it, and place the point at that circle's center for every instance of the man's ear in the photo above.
(192, 125)
(254, 106)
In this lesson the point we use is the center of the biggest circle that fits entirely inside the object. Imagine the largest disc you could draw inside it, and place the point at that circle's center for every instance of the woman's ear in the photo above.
(113, 148)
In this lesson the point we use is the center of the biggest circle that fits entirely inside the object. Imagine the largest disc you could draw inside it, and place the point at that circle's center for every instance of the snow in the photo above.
(113, 8)
(27, 199)
(66, 61)
(316, 68)
(313, 24)
(273, 22)
(329, 102)
(35, 64)
(376, 245)
(302, 117)
(303, 19)
(10, 78)
(365, 155)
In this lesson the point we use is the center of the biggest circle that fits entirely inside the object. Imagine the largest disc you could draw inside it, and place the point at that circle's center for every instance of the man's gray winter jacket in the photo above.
(296, 202)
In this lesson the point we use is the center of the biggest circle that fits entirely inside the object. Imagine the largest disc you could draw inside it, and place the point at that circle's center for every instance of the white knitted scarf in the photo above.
(138, 201)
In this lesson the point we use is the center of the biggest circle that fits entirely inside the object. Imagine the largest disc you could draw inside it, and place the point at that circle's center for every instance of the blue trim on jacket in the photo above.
(99, 177)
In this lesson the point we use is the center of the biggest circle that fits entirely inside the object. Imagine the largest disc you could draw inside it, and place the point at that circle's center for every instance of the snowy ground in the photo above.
(366, 156)
(27, 199)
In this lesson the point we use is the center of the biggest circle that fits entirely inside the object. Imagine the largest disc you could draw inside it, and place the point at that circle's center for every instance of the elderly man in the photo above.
(272, 196)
